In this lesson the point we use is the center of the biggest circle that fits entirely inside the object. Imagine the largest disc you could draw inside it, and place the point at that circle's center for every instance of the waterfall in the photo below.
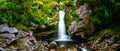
(61, 28)
(62, 36)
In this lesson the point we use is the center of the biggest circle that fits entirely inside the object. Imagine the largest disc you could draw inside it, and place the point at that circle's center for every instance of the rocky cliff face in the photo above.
(82, 27)
(12, 39)
(105, 40)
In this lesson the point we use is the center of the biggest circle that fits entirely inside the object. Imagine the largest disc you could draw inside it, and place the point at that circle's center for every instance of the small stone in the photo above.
(62, 46)
(76, 46)
(53, 45)
(45, 43)
(43, 26)
(52, 50)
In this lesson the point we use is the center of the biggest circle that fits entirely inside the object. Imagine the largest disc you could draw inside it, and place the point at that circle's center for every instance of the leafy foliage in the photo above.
(105, 12)
(21, 13)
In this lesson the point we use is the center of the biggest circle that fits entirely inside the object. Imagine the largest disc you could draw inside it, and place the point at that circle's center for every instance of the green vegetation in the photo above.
(105, 12)
(21, 13)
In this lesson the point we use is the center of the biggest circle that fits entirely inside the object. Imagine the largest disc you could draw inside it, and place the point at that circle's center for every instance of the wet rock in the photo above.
(12, 30)
(62, 46)
(73, 49)
(53, 50)
(53, 45)
(9, 36)
(3, 28)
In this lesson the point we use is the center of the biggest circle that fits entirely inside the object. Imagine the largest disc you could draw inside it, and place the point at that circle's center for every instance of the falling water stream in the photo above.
(61, 28)
(62, 37)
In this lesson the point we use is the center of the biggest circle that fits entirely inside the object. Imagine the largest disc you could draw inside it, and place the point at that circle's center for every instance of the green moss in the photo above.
(20, 26)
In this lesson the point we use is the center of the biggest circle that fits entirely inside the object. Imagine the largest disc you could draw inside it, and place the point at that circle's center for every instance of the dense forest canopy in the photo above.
(21, 13)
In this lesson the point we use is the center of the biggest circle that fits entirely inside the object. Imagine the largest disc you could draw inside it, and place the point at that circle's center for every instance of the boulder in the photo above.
(53, 45)
(79, 29)
(12, 30)
(4, 28)
(62, 46)
(7, 35)
(53, 50)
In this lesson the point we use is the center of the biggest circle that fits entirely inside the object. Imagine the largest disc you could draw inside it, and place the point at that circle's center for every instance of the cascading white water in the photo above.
(61, 28)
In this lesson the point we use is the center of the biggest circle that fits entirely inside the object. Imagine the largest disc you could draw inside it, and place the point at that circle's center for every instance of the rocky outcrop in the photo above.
(5, 28)
(12, 39)
(82, 27)
(45, 35)
(105, 41)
